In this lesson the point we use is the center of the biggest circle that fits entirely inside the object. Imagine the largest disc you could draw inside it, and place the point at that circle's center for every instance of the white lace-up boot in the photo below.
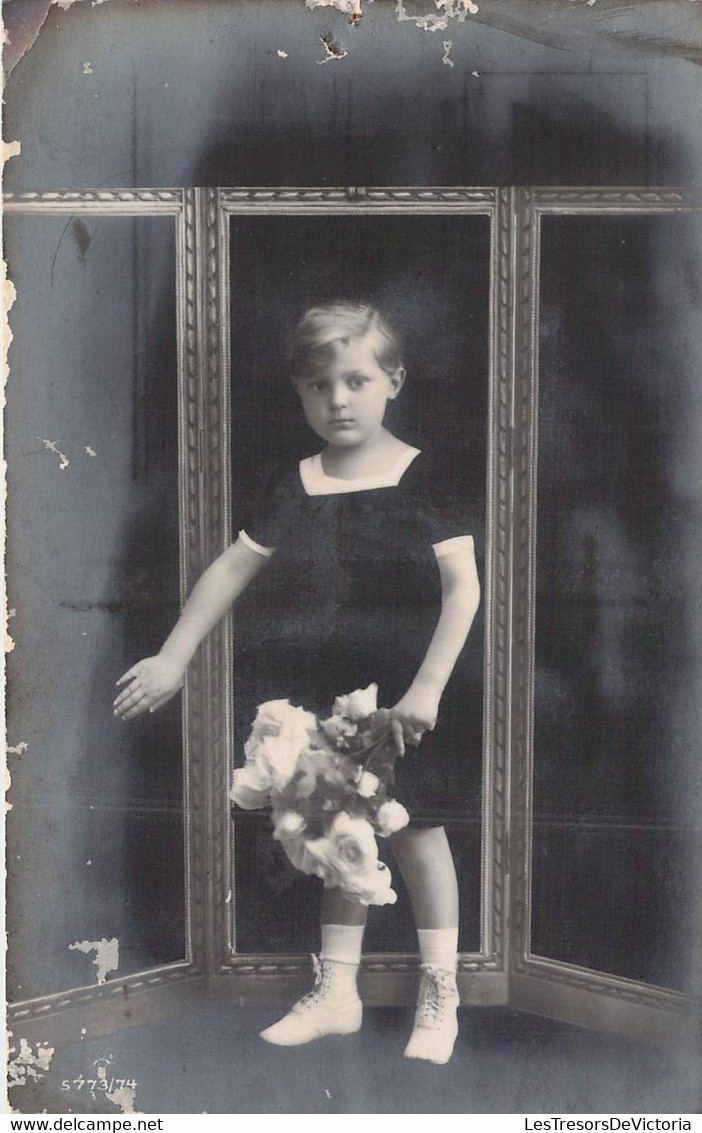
(332, 1007)
(435, 1022)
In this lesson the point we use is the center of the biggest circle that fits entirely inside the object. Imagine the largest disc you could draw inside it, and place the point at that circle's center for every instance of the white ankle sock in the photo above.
(438, 947)
(341, 953)
(342, 942)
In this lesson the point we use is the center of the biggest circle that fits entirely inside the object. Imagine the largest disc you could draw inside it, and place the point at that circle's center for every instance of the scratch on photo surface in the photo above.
(9, 296)
(457, 10)
(66, 4)
(52, 446)
(23, 30)
(11, 149)
(15, 749)
(447, 45)
(27, 1064)
(333, 51)
(106, 955)
(9, 292)
(124, 1098)
(350, 8)
(9, 640)
(121, 1094)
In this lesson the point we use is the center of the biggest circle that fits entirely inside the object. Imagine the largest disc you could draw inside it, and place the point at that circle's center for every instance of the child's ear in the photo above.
(397, 380)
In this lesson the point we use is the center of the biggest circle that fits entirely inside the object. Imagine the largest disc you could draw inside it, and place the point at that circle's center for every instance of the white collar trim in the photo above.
(316, 482)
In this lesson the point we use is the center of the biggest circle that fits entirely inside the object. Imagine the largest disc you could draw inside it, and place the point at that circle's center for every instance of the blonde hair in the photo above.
(323, 328)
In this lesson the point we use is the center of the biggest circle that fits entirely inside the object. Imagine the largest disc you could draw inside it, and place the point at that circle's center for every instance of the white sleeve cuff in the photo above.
(254, 546)
(450, 546)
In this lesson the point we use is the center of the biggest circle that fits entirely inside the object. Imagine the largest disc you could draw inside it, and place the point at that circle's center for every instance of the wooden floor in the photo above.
(211, 1059)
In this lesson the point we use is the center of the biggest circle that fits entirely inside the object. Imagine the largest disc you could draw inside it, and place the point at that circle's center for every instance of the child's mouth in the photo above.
(341, 423)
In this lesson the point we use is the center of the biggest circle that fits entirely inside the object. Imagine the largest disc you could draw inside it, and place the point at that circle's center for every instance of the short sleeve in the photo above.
(449, 546)
(446, 529)
(443, 515)
(273, 514)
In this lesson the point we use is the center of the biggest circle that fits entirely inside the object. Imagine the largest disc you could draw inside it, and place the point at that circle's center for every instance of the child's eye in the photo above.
(357, 382)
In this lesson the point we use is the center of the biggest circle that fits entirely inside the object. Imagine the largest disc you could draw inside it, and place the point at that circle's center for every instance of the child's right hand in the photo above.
(149, 684)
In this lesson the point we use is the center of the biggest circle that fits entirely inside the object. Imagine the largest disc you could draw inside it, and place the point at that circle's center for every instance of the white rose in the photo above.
(270, 717)
(300, 727)
(287, 824)
(281, 718)
(299, 855)
(347, 857)
(339, 728)
(357, 705)
(280, 734)
(368, 784)
(251, 787)
(391, 816)
(378, 889)
(277, 756)
(354, 841)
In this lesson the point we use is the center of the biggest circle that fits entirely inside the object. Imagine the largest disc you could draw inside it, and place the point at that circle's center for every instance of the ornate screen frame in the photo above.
(536, 983)
(111, 1000)
(386, 977)
(504, 970)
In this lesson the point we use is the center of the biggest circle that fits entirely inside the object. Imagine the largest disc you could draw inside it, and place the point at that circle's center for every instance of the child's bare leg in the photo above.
(333, 1007)
(343, 909)
(426, 862)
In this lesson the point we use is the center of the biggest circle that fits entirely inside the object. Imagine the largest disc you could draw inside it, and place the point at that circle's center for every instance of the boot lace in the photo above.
(322, 977)
(437, 997)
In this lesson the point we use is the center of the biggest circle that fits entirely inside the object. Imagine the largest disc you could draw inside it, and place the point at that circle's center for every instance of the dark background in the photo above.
(617, 789)
(195, 94)
(430, 276)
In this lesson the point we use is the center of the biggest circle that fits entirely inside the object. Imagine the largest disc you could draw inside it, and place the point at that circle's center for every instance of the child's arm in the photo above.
(416, 712)
(154, 680)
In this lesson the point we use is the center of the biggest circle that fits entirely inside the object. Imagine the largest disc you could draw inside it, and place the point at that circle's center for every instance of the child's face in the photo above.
(345, 405)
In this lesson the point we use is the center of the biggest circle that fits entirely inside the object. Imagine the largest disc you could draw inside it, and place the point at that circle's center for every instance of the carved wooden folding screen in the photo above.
(217, 242)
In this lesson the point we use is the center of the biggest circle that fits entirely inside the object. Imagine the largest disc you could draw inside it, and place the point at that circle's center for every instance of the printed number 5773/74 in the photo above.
(108, 1085)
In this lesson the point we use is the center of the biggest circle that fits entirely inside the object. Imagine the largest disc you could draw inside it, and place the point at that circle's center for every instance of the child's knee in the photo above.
(416, 839)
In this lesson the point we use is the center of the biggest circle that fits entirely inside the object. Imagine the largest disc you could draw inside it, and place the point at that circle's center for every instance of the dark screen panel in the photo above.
(96, 833)
(618, 664)
(430, 276)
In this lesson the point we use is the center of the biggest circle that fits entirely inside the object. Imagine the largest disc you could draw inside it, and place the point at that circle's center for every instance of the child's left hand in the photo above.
(414, 715)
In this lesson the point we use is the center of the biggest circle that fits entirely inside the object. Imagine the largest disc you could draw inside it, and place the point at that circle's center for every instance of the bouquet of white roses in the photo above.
(327, 782)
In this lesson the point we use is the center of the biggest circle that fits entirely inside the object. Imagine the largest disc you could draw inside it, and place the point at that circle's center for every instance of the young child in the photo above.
(383, 588)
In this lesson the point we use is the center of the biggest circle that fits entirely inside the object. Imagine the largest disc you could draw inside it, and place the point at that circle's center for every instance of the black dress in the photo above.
(352, 595)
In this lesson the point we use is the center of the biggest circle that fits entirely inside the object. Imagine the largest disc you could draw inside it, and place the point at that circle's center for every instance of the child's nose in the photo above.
(337, 395)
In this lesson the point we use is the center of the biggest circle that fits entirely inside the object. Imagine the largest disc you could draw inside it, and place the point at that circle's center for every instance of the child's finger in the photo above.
(135, 710)
(124, 695)
(130, 673)
(135, 694)
(398, 735)
(122, 709)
